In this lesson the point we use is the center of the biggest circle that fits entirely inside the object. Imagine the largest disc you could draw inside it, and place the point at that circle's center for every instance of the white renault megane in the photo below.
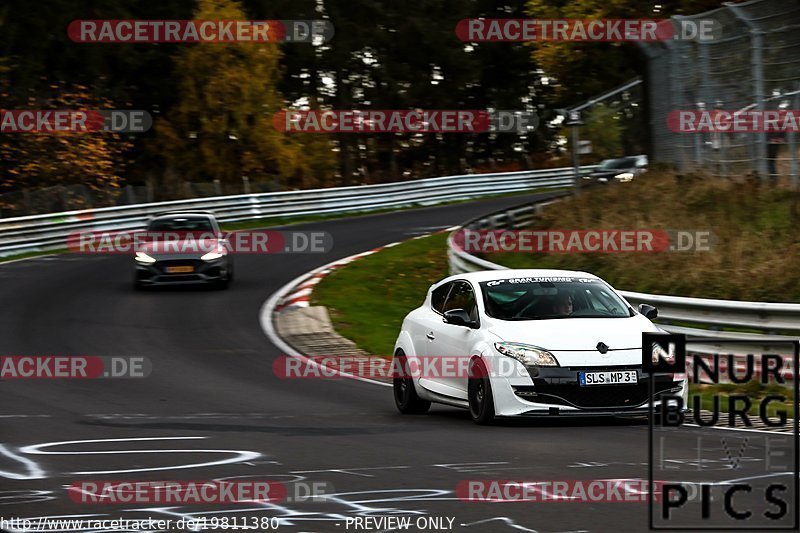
(527, 343)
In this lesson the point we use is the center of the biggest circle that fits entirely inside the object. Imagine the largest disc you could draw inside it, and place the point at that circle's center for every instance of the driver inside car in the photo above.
(562, 305)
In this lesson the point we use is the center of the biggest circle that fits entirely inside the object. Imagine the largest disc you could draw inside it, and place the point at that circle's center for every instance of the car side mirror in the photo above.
(459, 317)
(648, 311)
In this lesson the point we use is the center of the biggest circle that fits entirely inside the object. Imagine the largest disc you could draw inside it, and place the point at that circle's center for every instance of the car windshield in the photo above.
(611, 164)
(540, 298)
(187, 223)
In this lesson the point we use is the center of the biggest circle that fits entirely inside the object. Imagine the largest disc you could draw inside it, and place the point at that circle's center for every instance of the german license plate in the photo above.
(180, 269)
(611, 377)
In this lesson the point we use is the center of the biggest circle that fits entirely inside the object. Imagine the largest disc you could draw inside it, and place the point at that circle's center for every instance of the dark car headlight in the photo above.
(213, 256)
(144, 259)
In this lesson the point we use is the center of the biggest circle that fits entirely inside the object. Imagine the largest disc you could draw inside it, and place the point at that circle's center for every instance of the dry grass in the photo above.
(756, 226)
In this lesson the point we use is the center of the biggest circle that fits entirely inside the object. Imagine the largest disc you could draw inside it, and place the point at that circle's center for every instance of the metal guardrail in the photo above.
(50, 231)
(699, 317)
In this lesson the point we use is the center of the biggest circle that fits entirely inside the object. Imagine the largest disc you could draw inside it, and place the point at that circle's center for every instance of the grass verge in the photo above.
(368, 298)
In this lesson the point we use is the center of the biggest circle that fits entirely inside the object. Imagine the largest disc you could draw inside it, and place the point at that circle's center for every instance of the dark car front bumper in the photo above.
(201, 271)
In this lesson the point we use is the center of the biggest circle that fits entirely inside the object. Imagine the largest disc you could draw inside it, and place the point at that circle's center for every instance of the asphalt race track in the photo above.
(212, 409)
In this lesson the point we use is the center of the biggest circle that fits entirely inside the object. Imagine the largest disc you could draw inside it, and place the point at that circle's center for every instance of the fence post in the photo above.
(576, 160)
(757, 68)
(674, 95)
(791, 138)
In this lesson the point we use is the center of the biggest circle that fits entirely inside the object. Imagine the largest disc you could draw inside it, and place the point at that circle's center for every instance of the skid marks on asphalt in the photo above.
(350, 490)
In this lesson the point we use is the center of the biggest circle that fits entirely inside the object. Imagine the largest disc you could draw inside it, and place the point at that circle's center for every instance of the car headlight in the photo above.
(212, 256)
(526, 354)
(625, 176)
(142, 257)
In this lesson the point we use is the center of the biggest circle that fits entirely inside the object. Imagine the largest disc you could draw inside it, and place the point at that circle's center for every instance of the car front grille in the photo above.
(593, 397)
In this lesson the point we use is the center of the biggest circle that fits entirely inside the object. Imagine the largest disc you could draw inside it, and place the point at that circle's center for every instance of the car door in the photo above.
(427, 347)
(453, 343)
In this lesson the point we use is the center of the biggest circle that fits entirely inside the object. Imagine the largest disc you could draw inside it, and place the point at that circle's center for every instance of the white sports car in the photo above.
(527, 343)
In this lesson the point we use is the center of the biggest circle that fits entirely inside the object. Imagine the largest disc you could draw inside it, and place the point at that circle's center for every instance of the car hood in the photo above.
(576, 334)
(179, 249)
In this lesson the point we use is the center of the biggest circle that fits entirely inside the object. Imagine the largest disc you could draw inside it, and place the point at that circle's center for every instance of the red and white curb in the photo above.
(297, 293)
(300, 293)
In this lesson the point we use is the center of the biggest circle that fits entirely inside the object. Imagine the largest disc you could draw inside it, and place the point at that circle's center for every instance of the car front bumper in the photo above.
(557, 392)
(202, 272)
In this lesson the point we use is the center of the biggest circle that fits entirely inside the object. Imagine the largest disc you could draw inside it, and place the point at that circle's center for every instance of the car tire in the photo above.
(479, 394)
(406, 398)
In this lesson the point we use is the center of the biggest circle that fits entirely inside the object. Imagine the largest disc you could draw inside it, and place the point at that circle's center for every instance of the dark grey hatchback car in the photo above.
(183, 247)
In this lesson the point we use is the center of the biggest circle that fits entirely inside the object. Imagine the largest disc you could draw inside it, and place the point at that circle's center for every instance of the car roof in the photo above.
(489, 275)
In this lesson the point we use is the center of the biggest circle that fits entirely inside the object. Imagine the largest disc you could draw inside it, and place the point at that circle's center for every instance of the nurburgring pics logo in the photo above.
(200, 31)
(405, 121)
(757, 481)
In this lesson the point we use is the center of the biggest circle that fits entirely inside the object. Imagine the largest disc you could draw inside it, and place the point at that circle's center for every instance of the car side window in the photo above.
(438, 297)
(462, 297)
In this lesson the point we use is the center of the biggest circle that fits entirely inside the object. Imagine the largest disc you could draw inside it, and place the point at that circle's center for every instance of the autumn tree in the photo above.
(221, 128)
(579, 70)
(94, 159)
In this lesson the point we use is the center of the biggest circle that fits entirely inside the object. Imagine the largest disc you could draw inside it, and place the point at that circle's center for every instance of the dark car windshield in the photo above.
(539, 298)
(612, 164)
(187, 223)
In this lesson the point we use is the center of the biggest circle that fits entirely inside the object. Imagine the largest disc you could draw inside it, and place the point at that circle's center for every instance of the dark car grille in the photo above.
(599, 396)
